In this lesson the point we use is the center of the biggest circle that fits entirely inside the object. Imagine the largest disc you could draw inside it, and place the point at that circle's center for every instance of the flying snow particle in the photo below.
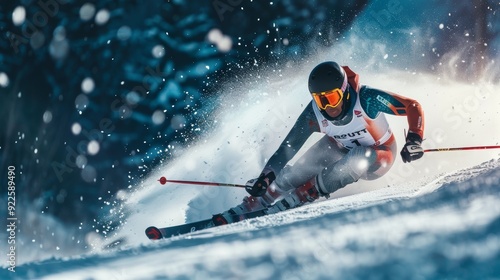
(102, 17)
(37, 40)
(59, 33)
(94, 240)
(76, 128)
(225, 44)
(59, 47)
(47, 117)
(81, 102)
(178, 122)
(201, 69)
(121, 195)
(441, 26)
(4, 80)
(158, 51)
(222, 42)
(214, 35)
(81, 161)
(132, 98)
(93, 147)
(87, 11)
(124, 33)
(125, 112)
(158, 117)
(88, 174)
(88, 85)
(19, 15)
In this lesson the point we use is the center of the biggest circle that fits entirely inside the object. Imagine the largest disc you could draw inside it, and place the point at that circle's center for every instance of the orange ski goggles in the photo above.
(331, 98)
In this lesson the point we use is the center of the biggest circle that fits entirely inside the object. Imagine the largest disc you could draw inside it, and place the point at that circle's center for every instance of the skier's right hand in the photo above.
(412, 149)
(258, 186)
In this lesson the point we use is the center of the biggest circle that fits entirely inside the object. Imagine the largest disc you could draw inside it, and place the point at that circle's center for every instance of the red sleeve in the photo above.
(414, 112)
(352, 77)
(396, 105)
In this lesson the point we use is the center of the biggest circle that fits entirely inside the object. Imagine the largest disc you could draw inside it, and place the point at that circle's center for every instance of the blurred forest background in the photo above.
(95, 94)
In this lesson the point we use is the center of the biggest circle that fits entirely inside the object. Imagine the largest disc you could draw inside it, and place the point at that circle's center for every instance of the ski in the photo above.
(155, 233)
(286, 203)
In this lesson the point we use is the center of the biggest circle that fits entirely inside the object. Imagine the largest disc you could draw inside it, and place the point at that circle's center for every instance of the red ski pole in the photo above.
(462, 148)
(164, 180)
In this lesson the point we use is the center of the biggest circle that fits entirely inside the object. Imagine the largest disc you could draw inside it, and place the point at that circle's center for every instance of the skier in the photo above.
(358, 143)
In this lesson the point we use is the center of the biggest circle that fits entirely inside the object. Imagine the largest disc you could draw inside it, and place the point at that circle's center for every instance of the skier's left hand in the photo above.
(412, 149)
(258, 187)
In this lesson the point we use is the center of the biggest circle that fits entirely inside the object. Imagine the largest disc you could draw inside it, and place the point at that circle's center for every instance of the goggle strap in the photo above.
(344, 84)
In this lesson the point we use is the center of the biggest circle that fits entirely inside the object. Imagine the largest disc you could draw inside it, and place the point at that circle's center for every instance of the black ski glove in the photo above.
(257, 187)
(412, 149)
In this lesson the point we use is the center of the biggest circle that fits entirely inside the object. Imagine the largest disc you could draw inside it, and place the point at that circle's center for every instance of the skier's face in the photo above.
(334, 111)
(331, 98)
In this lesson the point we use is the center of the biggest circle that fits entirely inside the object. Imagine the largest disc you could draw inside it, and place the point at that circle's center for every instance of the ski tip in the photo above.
(153, 233)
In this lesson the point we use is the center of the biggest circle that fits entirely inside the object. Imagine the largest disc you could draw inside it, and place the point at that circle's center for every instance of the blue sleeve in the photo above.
(375, 101)
(305, 125)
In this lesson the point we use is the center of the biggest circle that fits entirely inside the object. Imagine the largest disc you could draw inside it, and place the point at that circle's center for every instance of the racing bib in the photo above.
(360, 131)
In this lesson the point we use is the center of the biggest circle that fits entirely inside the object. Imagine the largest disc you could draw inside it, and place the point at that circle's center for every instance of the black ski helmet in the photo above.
(327, 76)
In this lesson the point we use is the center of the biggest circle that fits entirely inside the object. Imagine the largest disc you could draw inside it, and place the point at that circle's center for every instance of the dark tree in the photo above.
(97, 95)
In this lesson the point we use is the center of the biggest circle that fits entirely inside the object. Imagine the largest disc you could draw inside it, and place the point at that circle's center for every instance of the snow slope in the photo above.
(449, 227)
(397, 225)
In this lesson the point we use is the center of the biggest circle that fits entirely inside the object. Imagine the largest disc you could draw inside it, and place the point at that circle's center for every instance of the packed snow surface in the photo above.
(447, 227)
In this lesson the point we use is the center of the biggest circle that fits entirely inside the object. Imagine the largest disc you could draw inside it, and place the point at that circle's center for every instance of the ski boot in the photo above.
(301, 195)
(249, 204)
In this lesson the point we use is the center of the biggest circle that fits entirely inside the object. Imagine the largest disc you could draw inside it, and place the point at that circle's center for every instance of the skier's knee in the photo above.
(347, 170)
(359, 159)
